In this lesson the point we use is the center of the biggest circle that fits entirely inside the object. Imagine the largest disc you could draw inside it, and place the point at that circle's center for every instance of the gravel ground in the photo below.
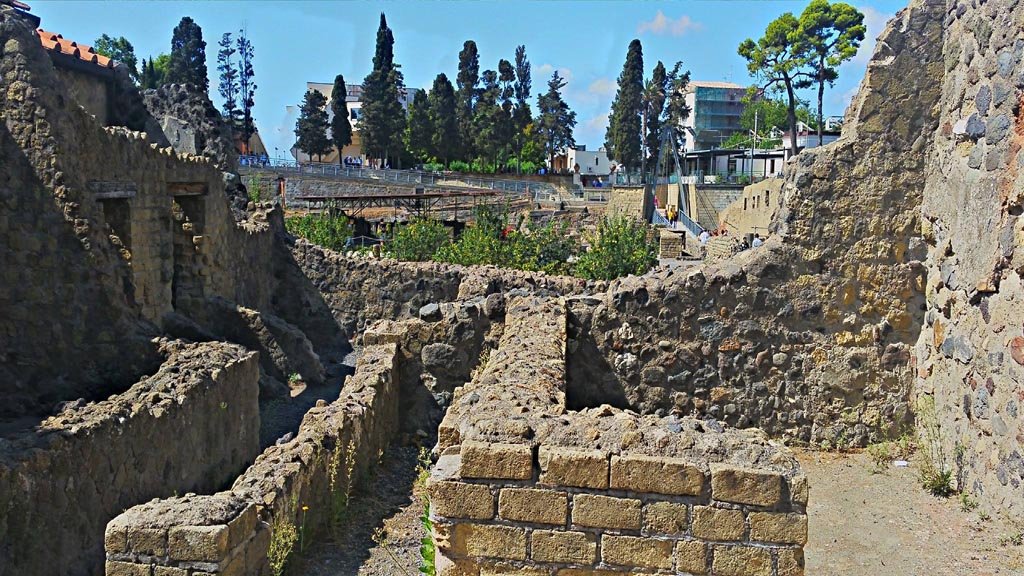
(279, 416)
(865, 523)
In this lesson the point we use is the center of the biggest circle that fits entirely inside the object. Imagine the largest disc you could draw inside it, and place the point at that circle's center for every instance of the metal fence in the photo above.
(403, 176)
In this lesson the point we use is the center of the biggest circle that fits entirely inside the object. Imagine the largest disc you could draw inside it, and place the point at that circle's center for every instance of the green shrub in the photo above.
(494, 240)
(458, 166)
(329, 231)
(419, 240)
(433, 166)
(936, 474)
(621, 246)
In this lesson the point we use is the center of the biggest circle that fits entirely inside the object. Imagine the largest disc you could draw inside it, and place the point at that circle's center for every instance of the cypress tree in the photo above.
(487, 117)
(443, 119)
(556, 121)
(383, 118)
(654, 105)
(228, 87)
(246, 87)
(418, 133)
(188, 56)
(341, 127)
(466, 83)
(311, 127)
(623, 135)
(676, 109)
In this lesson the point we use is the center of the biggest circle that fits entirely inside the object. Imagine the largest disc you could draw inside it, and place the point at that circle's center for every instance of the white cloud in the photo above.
(875, 22)
(602, 87)
(662, 24)
(545, 71)
(598, 123)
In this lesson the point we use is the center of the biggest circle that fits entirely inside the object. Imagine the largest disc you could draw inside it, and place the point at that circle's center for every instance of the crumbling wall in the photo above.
(970, 356)
(524, 486)
(302, 484)
(193, 425)
(809, 336)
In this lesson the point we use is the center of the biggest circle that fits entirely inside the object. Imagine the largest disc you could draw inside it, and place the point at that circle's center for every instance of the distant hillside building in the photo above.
(715, 110)
(354, 102)
(587, 167)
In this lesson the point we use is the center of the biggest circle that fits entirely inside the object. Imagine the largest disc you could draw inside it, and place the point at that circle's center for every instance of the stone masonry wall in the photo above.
(302, 484)
(970, 355)
(523, 486)
(191, 426)
(808, 337)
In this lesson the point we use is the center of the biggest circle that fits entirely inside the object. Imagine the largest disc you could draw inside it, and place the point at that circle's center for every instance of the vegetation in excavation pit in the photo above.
(328, 230)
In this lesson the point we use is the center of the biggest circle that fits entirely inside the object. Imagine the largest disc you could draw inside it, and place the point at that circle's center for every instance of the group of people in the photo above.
(254, 160)
(743, 244)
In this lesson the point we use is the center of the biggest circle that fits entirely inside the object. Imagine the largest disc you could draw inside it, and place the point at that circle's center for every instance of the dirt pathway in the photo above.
(862, 523)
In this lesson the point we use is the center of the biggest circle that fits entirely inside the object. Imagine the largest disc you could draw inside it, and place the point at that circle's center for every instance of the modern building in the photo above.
(807, 137)
(354, 103)
(588, 168)
(715, 110)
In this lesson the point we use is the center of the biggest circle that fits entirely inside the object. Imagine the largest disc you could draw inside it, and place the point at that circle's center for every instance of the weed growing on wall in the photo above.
(325, 229)
(256, 189)
(283, 536)
(428, 550)
(339, 481)
(936, 474)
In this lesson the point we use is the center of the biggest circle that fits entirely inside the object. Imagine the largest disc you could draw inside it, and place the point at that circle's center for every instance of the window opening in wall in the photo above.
(187, 281)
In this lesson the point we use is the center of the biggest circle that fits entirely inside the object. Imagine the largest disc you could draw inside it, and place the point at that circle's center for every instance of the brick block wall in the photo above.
(302, 483)
(499, 506)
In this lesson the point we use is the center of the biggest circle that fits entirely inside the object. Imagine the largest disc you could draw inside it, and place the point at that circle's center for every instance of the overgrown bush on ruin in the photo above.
(419, 240)
(621, 246)
(327, 230)
(495, 240)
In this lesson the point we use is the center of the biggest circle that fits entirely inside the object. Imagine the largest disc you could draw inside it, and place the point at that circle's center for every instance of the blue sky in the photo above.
(296, 42)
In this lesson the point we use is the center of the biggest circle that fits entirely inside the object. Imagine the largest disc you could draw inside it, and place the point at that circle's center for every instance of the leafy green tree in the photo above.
(228, 86)
(622, 139)
(119, 49)
(246, 88)
(532, 151)
(326, 229)
(621, 246)
(779, 60)
(382, 123)
(419, 131)
(341, 127)
(466, 85)
(769, 116)
(832, 33)
(676, 109)
(154, 72)
(443, 119)
(311, 127)
(653, 106)
(556, 120)
(188, 56)
(487, 121)
(419, 240)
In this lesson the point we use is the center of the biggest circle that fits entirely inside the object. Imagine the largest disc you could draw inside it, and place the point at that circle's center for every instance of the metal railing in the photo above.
(406, 176)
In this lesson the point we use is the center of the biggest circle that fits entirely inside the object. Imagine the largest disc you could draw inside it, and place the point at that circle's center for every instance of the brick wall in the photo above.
(567, 511)
(524, 486)
(193, 425)
(301, 485)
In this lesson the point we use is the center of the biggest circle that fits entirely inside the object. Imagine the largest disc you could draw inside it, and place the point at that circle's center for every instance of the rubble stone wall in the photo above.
(754, 209)
(191, 426)
(809, 336)
(524, 486)
(970, 355)
(302, 484)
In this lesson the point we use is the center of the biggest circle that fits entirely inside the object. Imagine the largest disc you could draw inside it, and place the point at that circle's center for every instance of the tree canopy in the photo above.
(831, 35)
(119, 49)
(341, 127)
(622, 139)
(228, 86)
(466, 86)
(419, 131)
(556, 120)
(311, 127)
(443, 120)
(382, 123)
(188, 56)
(246, 88)
(154, 72)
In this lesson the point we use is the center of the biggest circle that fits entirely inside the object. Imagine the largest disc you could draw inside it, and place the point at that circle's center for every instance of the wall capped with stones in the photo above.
(970, 356)
(193, 425)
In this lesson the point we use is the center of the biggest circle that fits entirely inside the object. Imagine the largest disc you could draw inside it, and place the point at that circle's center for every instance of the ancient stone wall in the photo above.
(523, 486)
(970, 356)
(754, 209)
(300, 485)
(808, 337)
(193, 425)
(90, 91)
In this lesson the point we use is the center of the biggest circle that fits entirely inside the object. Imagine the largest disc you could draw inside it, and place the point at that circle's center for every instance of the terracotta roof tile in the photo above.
(57, 43)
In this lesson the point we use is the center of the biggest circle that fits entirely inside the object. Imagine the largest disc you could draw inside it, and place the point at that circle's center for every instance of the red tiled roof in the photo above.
(57, 43)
